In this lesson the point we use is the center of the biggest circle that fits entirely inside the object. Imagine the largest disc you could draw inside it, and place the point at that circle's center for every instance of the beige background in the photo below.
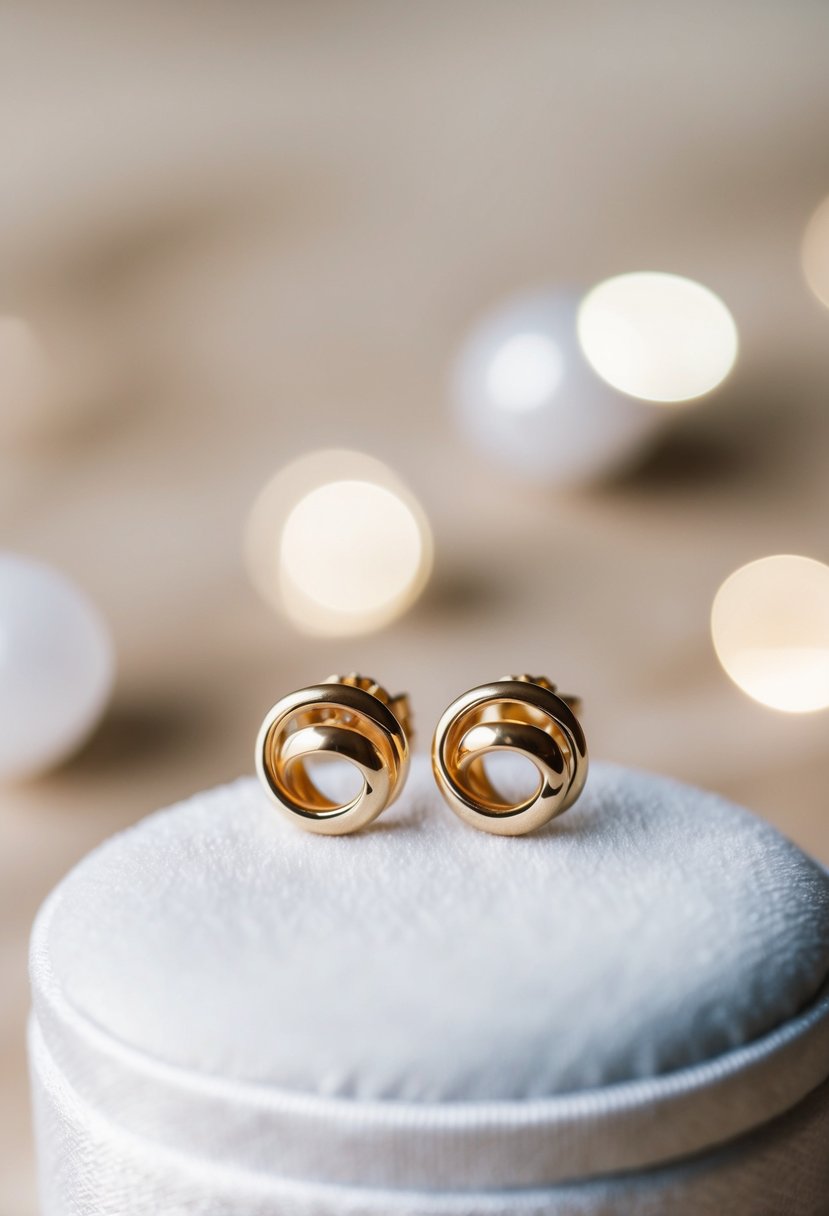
(247, 230)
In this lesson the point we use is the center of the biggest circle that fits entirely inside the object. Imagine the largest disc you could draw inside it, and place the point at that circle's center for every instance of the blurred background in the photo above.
(231, 235)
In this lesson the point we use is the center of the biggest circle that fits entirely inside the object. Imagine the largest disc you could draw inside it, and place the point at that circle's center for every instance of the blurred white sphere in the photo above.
(526, 396)
(56, 667)
(564, 389)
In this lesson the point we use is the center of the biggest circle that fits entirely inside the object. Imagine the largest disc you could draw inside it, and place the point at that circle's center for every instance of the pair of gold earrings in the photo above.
(355, 719)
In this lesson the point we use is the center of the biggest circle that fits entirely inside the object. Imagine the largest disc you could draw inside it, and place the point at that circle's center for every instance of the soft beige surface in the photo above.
(267, 227)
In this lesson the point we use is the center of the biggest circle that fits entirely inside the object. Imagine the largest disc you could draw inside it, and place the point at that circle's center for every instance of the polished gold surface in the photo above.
(347, 718)
(520, 714)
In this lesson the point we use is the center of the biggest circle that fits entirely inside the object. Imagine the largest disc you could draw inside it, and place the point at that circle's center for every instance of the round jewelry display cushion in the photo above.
(627, 1008)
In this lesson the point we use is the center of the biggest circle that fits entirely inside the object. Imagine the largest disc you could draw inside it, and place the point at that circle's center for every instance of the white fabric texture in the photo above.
(91, 1167)
(426, 1009)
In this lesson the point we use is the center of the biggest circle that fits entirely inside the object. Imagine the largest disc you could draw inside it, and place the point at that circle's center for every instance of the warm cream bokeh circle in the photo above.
(338, 543)
(659, 337)
(770, 627)
(815, 252)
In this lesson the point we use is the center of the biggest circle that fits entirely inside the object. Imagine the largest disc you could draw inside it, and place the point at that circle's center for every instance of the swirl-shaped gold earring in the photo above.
(523, 715)
(348, 717)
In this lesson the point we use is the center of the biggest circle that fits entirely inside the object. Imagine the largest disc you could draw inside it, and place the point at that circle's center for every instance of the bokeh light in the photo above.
(338, 543)
(815, 252)
(770, 626)
(659, 337)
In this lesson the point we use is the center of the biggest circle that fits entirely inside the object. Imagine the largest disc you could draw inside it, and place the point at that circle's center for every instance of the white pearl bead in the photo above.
(56, 667)
(526, 396)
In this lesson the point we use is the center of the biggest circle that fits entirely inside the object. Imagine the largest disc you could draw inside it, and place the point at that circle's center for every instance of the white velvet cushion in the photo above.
(231, 1015)
(650, 928)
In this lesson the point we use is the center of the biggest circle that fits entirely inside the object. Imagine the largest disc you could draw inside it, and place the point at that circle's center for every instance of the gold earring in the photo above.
(523, 715)
(348, 717)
